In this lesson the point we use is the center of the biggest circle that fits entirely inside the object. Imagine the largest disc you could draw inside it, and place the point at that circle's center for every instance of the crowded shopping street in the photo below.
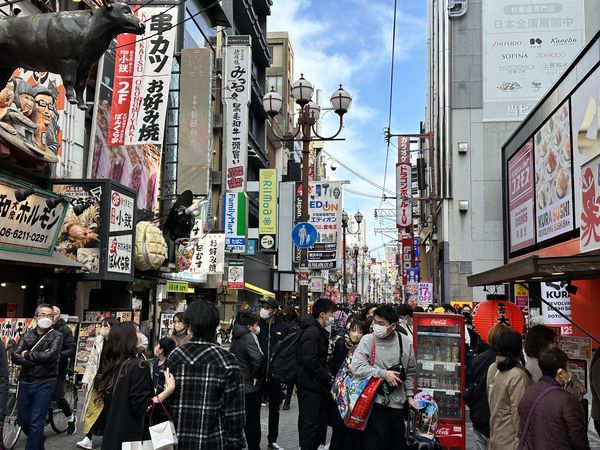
(299, 224)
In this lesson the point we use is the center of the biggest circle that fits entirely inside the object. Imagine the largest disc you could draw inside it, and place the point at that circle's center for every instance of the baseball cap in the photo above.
(270, 302)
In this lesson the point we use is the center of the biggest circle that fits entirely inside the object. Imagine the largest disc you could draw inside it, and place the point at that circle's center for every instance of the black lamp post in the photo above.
(358, 217)
(302, 92)
(365, 250)
(356, 251)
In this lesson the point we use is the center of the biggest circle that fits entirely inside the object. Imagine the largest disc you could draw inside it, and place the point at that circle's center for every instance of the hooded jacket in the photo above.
(313, 347)
(557, 421)
(246, 348)
(270, 335)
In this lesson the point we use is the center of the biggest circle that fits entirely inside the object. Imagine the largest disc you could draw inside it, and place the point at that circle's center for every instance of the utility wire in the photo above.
(391, 96)
(362, 194)
(181, 22)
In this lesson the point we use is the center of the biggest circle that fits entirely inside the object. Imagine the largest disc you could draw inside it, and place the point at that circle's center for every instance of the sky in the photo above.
(350, 42)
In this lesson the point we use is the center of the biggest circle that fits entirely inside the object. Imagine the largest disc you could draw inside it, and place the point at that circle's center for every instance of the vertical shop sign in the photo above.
(403, 184)
(235, 274)
(558, 297)
(142, 77)
(522, 298)
(408, 260)
(209, 255)
(236, 98)
(521, 198)
(120, 232)
(235, 212)
(194, 157)
(553, 192)
(526, 47)
(121, 212)
(267, 210)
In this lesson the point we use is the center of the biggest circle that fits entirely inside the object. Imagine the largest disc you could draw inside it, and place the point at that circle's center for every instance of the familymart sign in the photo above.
(235, 221)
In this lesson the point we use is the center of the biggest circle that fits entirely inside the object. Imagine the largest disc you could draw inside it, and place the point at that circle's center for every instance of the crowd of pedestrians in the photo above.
(520, 393)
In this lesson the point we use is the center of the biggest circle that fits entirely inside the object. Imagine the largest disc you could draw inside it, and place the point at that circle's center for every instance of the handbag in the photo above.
(163, 435)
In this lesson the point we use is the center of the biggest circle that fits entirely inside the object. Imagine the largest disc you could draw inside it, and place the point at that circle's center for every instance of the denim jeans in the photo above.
(33, 401)
(481, 440)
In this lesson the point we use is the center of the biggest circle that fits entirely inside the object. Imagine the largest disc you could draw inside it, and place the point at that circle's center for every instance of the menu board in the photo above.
(521, 198)
(553, 192)
(96, 316)
(576, 347)
(85, 344)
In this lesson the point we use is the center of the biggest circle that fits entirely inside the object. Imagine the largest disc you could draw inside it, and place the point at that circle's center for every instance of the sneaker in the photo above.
(275, 445)
(85, 443)
(72, 425)
(286, 407)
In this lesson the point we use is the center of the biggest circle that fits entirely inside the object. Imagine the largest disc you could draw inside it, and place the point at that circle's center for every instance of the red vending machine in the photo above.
(439, 341)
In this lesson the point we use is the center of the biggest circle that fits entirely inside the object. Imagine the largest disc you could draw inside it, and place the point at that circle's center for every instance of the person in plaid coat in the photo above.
(208, 403)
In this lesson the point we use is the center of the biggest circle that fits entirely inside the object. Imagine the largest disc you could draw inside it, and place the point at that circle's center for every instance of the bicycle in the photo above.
(55, 417)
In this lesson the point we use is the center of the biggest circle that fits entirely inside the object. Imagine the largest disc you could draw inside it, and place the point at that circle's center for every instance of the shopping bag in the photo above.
(137, 445)
(163, 435)
(361, 411)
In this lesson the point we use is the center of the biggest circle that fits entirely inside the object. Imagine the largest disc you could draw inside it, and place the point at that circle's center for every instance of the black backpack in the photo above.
(285, 366)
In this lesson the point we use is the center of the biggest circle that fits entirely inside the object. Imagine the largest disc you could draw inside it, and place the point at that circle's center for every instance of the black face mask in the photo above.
(467, 315)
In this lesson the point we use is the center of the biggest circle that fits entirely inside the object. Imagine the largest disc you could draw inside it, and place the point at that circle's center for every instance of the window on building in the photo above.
(276, 82)
(277, 52)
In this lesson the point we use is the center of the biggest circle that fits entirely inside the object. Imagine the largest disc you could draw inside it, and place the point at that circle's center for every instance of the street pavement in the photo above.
(288, 434)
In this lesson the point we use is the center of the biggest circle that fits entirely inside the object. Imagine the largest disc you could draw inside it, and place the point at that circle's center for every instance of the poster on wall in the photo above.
(11, 329)
(526, 47)
(80, 234)
(585, 118)
(166, 324)
(521, 198)
(553, 193)
(589, 238)
(558, 297)
(85, 344)
(235, 274)
(576, 347)
(425, 293)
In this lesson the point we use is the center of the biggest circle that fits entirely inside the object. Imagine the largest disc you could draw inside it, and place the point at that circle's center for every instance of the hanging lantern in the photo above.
(489, 313)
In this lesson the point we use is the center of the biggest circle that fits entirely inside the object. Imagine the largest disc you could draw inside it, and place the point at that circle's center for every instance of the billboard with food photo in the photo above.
(553, 191)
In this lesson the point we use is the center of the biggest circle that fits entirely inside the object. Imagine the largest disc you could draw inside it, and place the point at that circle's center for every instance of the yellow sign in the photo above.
(267, 220)
(461, 304)
(177, 286)
(521, 291)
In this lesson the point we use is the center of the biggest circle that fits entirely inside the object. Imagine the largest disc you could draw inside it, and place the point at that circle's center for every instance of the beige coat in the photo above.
(504, 395)
(91, 369)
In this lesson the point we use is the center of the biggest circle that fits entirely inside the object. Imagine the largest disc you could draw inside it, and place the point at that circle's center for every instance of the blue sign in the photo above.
(251, 247)
(412, 275)
(304, 235)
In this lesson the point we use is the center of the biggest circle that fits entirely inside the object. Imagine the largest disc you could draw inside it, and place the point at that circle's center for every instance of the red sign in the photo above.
(521, 198)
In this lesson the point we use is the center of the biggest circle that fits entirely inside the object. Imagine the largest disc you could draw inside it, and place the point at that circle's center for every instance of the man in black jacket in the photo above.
(67, 351)
(314, 381)
(273, 328)
(38, 354)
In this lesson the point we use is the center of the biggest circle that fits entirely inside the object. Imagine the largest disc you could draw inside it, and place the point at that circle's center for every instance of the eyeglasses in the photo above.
(45, 316)
(44, 104)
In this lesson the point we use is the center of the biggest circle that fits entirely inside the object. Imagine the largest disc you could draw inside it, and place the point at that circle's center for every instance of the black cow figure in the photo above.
(67, 43)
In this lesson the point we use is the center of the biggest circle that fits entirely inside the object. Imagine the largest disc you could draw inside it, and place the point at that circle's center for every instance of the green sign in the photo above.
(177, 286)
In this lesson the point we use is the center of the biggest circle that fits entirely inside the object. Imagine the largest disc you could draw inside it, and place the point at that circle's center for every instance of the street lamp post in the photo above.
(365, 249)
(358, 217)
(302, 92)
(356, 251)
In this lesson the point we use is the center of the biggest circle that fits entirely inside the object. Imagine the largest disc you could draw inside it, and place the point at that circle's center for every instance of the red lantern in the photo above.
(489, 313)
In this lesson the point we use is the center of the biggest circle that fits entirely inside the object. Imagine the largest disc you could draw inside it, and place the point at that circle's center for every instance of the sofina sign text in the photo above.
(235, 222)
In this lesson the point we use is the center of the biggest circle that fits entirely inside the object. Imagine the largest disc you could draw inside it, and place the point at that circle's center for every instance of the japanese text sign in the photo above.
(120, 251)
(209, 255)
(177, 287)
(236, 98)
(521, 198)
(121, 212)
(142, 77)
(403, 194)
(29, 225)
(235, 274)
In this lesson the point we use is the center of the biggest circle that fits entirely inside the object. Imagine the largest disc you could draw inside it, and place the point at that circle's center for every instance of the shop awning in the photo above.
(55, 260)
(536, 268)
(259, 291)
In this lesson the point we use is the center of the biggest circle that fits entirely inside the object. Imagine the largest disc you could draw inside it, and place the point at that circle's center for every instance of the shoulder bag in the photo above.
(521, 445)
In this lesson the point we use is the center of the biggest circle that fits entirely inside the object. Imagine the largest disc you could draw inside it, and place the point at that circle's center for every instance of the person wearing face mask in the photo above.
(92, 412)
(551, 418)
(273, 328)
(394, 362)
(405, 322)
(314, 380)
(38, 354)
(180, 330)
(246, 348)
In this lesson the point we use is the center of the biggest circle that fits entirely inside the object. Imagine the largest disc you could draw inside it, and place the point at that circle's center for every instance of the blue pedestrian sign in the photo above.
(304, 235)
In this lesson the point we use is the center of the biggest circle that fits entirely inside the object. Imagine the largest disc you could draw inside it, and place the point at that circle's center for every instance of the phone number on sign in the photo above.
(23, 235)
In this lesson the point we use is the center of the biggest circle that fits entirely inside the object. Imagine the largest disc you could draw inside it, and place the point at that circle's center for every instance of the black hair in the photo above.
(538, 338)
(246, 319)
(322, 305)
(110, 321)
(387, 312)
(181, 317)
(357, 323)
(449, 308)
(404, 310)
(551, 359)
(167, 345)
(290, 313)
(203, 319)
(366, 308)
(418, 309)
(509, 345)
(119, 349)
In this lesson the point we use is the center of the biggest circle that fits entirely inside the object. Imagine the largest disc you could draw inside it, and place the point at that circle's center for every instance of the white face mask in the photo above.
(265, 313)
(256, 331)
(44, 323)
(380, 331)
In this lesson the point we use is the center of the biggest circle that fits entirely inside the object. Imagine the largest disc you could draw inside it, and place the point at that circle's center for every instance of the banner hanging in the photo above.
(267, 219)
(209, 255)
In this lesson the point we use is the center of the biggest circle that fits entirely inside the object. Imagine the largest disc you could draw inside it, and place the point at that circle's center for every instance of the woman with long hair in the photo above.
(126, 388)
(507, 380)
(180, 330)
(93, 411)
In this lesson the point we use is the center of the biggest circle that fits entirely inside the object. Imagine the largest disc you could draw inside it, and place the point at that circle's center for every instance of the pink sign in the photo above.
(521, 198)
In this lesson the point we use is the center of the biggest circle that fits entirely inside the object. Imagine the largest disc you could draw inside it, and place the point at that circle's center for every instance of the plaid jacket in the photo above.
(208, 403)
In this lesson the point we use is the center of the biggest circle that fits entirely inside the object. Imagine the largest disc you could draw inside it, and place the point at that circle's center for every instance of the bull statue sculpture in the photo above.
(67, 43)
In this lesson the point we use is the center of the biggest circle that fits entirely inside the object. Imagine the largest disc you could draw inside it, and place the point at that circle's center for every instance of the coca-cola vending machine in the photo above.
(439, 341)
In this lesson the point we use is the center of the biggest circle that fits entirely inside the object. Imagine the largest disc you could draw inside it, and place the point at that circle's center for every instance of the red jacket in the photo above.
(557, 422)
